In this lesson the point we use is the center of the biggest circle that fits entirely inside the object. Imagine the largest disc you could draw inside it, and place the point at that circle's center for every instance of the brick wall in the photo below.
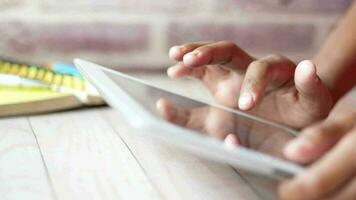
(137, 33)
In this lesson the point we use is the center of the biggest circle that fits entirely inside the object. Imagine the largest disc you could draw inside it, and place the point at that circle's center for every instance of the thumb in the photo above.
(316, 140)
(313, 95)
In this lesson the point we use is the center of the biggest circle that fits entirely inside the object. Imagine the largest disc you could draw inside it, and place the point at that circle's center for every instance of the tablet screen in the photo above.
(211, 120)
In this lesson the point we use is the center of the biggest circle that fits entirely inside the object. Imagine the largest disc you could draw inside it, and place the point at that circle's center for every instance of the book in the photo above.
(33, 89)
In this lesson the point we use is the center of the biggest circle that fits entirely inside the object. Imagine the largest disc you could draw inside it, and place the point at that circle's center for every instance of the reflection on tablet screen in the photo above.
(211, 120)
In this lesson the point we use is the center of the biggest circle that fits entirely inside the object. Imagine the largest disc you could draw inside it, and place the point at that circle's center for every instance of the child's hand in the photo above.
(272, 87)
(334, 142)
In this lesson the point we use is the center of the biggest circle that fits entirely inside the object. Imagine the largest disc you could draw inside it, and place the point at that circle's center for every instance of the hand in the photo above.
(272, 87)
(331, 145)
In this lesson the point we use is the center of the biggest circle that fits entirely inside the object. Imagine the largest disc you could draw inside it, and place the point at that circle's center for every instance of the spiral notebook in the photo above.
(33, 89)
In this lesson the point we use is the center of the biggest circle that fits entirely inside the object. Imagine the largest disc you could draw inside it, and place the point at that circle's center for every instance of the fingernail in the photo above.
(298, 149)
(174, 50)
(170, 72)
(245, 101)
(231, 141)
(308, 69)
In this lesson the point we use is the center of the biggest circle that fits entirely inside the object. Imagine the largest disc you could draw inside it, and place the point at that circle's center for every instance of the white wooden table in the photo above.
(92, 154)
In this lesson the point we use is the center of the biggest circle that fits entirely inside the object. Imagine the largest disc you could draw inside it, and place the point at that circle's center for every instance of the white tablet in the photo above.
(195, 125)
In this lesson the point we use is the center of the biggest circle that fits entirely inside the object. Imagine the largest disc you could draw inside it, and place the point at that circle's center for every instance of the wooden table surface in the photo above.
(93, 154)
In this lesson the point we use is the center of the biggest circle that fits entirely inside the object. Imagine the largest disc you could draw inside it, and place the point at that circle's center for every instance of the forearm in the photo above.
(336, 60)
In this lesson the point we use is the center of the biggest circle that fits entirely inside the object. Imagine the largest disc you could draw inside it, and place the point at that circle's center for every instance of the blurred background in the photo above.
(136, 34)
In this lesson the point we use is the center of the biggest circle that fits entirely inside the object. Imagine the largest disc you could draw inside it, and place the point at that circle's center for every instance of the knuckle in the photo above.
(316, 135)
(258, 64)
(187, 44)
(190, 45)
(258, 70)
(275, 57)
(313, 131)
(252, 84)
(227, 42)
